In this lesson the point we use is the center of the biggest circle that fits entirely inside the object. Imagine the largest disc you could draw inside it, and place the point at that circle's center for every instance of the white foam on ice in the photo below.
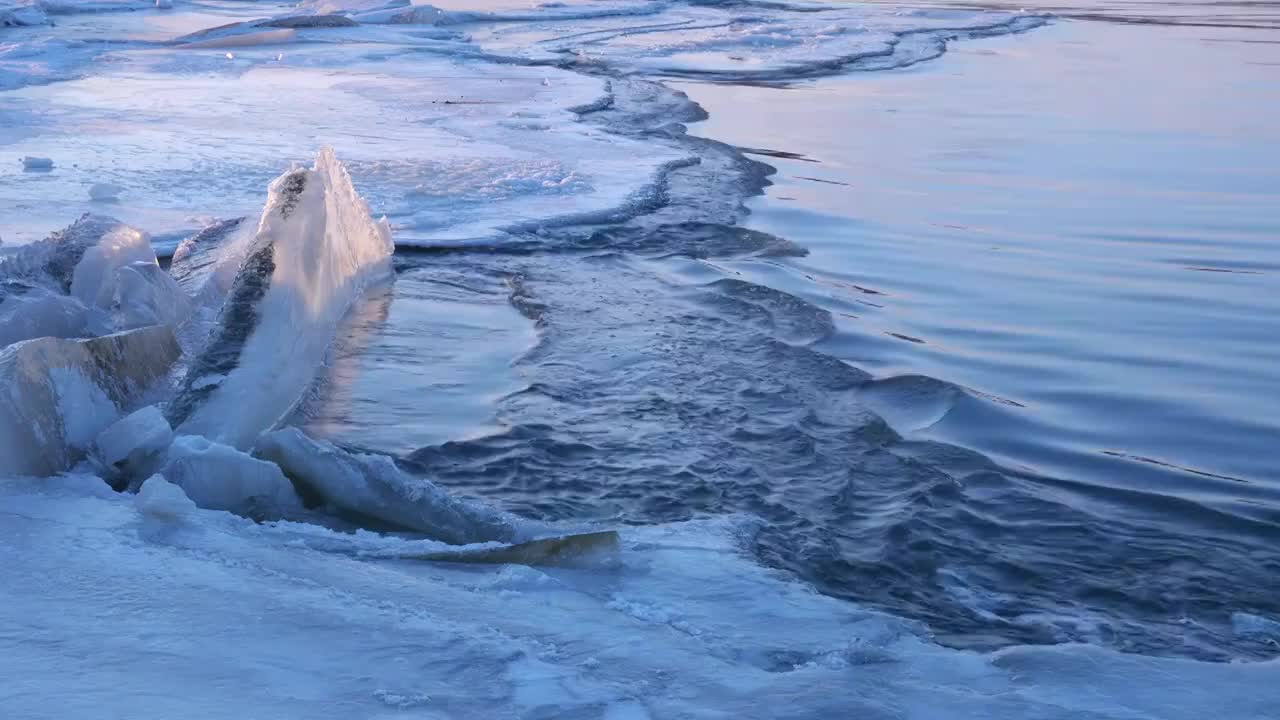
(120, 607)
(326, 251)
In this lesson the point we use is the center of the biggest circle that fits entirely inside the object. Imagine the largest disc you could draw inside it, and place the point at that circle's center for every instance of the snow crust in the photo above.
(145, 607)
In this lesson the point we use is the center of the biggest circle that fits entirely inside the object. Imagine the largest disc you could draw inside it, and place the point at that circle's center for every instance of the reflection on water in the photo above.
(421, 361)
(1102, 253)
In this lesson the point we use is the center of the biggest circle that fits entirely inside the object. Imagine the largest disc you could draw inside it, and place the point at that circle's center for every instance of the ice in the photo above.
(161, 500)
(373, 486)
(145, 606)
(95, 278)
(109, 272)
(37, 163)
(105, 192)
(317, 250)
(147, 295)
(40, 312)
(408, 107)
(134, 439)
(218, 477)
(244, 39)
(22, 14)
(57, 395)
(205, 265)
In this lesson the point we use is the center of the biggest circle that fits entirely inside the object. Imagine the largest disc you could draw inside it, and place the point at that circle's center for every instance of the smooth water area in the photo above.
(1094, 263)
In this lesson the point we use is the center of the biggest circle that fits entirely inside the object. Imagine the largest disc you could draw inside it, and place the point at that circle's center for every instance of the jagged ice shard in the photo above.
(315, 251)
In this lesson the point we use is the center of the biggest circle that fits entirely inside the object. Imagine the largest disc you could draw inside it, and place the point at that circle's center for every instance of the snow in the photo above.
(218, 477)
(373, 486)
(326, 251)
(161, 500)
(57, 395)
(134, 439)
(146, 607)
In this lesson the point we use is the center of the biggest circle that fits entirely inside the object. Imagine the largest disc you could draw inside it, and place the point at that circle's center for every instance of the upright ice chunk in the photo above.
(93, 281)
(218, 477)
(147, 295)
(373, 487)
(57, 395)
(315, 252)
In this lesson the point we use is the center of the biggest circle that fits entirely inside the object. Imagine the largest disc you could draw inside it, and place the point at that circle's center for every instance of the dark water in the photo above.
(965, 411)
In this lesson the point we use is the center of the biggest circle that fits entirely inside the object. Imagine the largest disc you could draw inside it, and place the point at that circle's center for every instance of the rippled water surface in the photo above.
(995, 350)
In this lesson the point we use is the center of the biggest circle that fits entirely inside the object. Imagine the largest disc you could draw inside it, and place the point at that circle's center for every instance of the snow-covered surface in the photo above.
(148, 607)
(57, 395)
(325, 250)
